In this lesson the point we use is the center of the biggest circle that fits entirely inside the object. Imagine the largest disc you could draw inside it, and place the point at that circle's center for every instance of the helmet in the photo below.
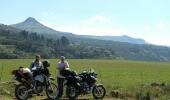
(46, 63)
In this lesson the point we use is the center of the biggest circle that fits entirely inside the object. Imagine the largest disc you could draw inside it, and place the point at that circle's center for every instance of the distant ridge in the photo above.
(123, 38)
(32, 25)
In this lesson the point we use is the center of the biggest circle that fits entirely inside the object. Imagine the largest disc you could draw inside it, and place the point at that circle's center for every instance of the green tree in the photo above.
(64, 41)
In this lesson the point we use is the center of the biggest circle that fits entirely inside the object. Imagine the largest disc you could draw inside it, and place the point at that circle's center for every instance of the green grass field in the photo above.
(114, 74)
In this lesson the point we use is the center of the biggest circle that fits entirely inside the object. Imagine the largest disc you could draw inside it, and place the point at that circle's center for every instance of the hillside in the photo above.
(26, 44)
(17, 43)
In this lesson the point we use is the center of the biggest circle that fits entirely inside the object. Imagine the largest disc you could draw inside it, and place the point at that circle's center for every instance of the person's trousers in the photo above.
(60, 82)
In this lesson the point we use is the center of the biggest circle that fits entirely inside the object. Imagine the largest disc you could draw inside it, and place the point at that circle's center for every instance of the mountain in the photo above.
(123, 38)
(32, 25)
(16, 43)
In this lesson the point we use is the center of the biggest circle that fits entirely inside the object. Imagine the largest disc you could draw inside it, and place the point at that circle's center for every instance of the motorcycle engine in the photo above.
(39, 83)
(86, 87)
(38, 87)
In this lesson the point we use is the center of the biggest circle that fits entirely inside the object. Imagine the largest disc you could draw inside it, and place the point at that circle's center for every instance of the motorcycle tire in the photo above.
(21, 92)
(51, 91)
(71, 92)
(99, 92)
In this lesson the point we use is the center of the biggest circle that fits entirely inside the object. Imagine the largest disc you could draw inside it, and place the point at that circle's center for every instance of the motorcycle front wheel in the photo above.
(21, 92)
(51, 91)
(99, 92)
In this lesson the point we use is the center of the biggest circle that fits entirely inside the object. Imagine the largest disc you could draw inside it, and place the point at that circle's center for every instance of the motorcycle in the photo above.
(82, 84)
(39, 83)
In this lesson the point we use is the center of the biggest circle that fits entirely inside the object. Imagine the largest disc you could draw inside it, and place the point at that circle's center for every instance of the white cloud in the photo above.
(101, 19)
(161, 25)
(97, 19)
(96, 25)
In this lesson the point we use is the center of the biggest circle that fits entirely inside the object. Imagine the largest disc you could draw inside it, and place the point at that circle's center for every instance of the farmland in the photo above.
(114, 74)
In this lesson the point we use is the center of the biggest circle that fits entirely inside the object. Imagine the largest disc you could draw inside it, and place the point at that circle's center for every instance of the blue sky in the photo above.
(147, 19)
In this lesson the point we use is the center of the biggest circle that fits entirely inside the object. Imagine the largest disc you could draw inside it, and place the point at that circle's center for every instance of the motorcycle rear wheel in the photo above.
(21, 92)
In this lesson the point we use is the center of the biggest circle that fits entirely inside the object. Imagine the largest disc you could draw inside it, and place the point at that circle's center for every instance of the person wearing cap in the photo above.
(62, 65)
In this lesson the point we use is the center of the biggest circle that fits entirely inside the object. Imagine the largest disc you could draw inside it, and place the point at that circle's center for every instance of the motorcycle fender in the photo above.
(97, 85)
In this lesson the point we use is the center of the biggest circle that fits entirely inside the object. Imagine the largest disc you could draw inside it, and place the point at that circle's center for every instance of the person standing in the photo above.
(62, 65)
(36, 64)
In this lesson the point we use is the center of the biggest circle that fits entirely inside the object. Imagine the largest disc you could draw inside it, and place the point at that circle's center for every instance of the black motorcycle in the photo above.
(83, 83)
(39, 83)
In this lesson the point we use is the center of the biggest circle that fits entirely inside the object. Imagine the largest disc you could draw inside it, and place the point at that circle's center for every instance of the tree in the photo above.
(64, 41)
(24, 34)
